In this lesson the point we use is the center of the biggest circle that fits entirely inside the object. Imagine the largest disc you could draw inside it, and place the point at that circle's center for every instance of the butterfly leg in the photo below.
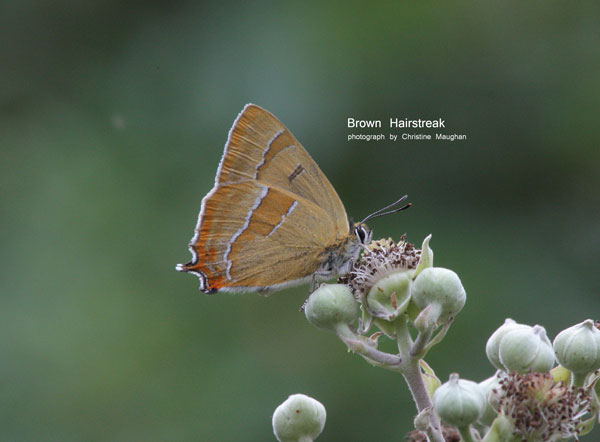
(313, 286)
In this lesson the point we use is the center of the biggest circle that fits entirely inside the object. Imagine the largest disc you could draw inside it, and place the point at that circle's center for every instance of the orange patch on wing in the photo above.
(206, 252)
(203, 260)
(216, 283)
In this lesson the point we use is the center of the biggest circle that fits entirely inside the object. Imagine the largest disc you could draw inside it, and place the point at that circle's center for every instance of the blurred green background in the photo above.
(113, 117)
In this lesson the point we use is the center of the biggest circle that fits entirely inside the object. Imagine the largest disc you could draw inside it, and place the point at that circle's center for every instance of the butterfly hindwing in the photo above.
(263, 240)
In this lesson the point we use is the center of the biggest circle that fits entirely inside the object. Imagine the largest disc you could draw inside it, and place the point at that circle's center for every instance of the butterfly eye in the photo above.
(361, 234)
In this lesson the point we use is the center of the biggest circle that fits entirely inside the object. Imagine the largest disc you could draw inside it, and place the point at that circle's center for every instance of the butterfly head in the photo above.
(362, 233)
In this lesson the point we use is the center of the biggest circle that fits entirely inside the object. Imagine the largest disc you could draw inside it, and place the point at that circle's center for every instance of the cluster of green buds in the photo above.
(519, 347)
(528, 399)
(391, 286)
(396, 288)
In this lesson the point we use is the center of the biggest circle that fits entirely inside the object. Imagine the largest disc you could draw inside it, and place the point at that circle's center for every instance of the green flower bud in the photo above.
(459, 402)
(578, 348)
(442, 290)
(389, 296)
(331, 305)
(525, 350)
(492, 348)
(486, 387)
(299, 419)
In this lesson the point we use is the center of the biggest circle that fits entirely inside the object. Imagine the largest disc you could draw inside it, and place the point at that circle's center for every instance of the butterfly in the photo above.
(272, 219)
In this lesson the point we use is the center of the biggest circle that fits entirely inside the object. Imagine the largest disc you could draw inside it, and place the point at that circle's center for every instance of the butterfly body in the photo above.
(272, 219)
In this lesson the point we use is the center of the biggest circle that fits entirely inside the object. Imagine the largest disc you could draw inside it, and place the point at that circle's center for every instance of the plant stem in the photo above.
(374, 356)
(403, 337)
(465, 434)
(358, 345)
(414, 379)
(412, 374)
(418, 348)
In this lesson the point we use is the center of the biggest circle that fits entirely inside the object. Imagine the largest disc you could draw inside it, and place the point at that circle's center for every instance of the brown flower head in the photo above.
(539, 408)
(380, 258)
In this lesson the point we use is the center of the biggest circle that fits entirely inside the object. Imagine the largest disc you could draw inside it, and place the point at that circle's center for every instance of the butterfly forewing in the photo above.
(261, 148)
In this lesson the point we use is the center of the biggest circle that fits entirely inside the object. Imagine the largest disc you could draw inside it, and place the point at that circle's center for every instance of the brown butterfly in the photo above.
(272, 219)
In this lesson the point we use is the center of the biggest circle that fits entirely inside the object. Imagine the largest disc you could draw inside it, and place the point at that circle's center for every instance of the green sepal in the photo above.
(412, 311)
(586, 426)
(432, 382)
(388, 327)
(366, 319)
(389, 296)
(561, 374)
(501, 431)
(426, 257)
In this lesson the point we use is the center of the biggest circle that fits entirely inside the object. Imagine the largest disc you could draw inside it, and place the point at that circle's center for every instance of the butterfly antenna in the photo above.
(382, 211)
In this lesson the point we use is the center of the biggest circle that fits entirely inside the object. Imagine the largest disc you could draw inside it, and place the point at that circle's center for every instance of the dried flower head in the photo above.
(379, 259)
(539, 408)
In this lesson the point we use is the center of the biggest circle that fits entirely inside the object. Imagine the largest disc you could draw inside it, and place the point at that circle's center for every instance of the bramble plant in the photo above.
(395, 288)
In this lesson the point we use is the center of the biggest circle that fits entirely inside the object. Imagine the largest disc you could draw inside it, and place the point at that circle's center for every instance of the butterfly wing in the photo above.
(271, 216)
(263, 242)
(261, 148)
